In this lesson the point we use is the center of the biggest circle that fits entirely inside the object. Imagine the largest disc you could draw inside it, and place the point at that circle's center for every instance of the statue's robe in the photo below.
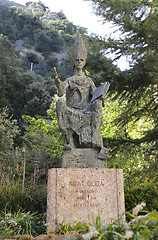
(79, 119)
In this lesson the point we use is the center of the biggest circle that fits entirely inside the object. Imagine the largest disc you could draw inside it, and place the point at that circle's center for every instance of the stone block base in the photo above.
(78, 194)
(82, 158)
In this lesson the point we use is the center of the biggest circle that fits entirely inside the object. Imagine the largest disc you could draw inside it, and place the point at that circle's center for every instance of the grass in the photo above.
(33, 199)
(21, 223)
(23, 213)
(143, 227)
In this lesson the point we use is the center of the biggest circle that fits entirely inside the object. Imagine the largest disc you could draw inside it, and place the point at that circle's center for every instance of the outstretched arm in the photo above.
(61, 86)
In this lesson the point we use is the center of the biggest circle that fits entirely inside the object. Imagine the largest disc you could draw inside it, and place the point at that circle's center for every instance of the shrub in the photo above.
(147, 192)
(21, 223)
(33, 199)
(137, 228)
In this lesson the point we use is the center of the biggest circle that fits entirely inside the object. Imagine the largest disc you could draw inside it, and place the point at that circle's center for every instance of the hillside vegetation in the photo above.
(33, 40)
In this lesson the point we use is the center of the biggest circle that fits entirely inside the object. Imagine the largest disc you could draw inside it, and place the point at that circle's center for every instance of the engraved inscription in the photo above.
(85, 195)
(95, 183)
(86, 204)
(86, 192)
(76, 183)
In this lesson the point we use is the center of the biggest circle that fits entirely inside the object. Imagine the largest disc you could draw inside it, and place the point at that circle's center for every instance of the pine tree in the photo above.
(137, 87)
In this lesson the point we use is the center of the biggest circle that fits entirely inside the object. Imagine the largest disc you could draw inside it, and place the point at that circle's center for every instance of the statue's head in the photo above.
(79, 53)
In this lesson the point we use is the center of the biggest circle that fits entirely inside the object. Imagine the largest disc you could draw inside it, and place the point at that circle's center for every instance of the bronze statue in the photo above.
(80, 113)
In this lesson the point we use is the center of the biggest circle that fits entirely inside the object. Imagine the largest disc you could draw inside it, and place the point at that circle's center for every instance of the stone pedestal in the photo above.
(78, 194)
(82, 158)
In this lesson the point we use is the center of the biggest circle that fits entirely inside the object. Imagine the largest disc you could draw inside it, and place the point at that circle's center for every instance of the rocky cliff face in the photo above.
(53, 16)
(45, 15)
(34, 6)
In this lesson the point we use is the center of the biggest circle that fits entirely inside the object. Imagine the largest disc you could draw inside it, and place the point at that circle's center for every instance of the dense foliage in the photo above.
(8, 131)
(21, 224)
(11, 86)
(46, 134)
(137, 227)
(147, 193)
(29, 47)
(135, 128)
(31, 44)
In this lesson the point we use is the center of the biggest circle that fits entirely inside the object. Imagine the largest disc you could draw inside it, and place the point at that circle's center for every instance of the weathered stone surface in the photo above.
(80, 115)
(49, 237)
(79, 120)
(82, 158)
(77, 194)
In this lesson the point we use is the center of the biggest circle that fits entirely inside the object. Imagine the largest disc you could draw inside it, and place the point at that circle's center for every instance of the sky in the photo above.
(77, 11)
(81, 13)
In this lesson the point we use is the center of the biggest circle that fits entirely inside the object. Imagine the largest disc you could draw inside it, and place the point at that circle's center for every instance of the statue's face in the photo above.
(79, 63)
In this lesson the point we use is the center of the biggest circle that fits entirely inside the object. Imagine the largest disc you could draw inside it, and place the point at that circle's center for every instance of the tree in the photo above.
(51, 62)
(11, 90)
(137, 87)
(26, 24)
(62, 25)
(38, 99)
(7, 23)
(28, 77)
(47, 41)
(44, 139)
(33, 58)
(127, 152)
(8, 131)
(100, 68)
